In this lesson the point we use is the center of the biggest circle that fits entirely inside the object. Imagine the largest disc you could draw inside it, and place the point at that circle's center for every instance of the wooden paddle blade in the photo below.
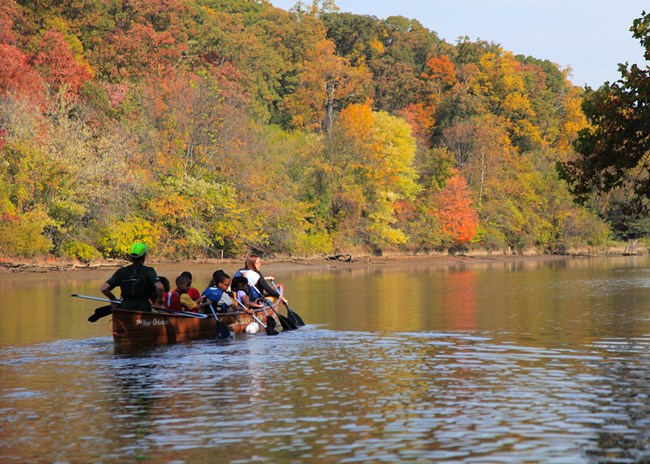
(99, 313)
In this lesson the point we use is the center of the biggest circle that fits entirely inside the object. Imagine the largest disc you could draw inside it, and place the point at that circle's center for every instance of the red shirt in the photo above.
(173, 301)
(194, 293)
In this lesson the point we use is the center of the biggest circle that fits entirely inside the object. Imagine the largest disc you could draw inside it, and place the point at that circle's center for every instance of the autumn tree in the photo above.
(458, 219)
(326, 84)
(364, 172)
(614, 151)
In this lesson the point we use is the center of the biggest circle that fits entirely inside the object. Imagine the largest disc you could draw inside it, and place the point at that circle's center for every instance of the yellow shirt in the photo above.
(187, 303)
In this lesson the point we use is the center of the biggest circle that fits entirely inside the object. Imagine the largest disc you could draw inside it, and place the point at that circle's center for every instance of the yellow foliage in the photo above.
(21, 236)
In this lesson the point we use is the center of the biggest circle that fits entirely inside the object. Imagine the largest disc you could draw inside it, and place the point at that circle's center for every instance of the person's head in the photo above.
(183, 283)
(221, 280)
(165, 282)
(187, 274)
(239, 283)
(216, 274)
(253, 262)
(138, 252)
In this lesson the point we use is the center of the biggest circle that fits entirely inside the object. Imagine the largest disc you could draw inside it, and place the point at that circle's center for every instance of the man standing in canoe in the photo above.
(138, 283)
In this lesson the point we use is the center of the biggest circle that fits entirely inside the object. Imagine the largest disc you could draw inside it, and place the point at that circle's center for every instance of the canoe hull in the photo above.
(141, 328)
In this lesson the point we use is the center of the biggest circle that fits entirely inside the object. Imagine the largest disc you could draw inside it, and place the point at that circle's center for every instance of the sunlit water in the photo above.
(526, 362)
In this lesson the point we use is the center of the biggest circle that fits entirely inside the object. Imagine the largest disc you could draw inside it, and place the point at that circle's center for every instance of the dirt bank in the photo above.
(279, 265)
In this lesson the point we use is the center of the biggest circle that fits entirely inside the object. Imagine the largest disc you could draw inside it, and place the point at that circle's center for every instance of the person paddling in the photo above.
(258, 283)
(139, 284)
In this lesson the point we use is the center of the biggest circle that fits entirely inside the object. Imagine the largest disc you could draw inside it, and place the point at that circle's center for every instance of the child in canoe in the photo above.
(179, 300)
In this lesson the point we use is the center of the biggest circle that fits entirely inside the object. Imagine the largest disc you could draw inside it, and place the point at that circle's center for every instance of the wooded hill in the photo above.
(205, 125)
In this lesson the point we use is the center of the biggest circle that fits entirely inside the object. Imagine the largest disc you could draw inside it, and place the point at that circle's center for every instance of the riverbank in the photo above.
(294, 264)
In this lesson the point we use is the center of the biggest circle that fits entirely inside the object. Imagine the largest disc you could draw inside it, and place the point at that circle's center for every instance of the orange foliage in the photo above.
(8, 11)
(442, 70)
(327, 82)
(422, 118)
(456, 215)
(357, 122)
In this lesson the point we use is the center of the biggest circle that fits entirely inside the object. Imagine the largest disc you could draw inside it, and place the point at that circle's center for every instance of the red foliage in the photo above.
(8, 11)
(17, 77)
(457, 217)
(140, 52)
(58, 65)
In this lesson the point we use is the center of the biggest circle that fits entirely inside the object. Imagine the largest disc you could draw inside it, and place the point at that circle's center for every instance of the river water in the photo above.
(527, 361)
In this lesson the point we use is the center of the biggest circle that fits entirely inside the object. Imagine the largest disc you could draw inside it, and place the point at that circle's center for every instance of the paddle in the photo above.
(100, 312)
(286, 323)
(293, 316)
(222, 329)
(159, 308)
(269, 328)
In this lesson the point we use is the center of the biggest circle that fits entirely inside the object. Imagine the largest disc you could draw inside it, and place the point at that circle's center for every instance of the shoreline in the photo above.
(296, 264)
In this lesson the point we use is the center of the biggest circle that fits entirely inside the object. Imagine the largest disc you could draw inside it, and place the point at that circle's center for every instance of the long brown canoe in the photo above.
(141, 328)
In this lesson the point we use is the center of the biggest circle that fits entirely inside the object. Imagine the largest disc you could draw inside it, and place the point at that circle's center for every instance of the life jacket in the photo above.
(213, 294)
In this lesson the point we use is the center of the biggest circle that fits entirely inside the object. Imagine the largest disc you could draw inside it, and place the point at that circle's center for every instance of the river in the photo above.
(522, 361)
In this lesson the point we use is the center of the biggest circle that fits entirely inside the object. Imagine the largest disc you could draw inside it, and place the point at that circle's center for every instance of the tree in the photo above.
(457, 217)
(57, 64)
(363, 174)
(614, 151)
(326, 83)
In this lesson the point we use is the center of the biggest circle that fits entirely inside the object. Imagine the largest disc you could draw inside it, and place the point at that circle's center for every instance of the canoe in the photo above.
(142, 328)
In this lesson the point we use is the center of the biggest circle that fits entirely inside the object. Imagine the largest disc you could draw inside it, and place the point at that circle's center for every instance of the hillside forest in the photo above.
(212, 127)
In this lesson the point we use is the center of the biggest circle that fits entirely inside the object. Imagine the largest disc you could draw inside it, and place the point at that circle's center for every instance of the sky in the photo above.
(590, 36)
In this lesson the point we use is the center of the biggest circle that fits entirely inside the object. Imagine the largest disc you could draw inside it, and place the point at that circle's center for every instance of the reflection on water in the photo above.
(492, 363)
(328, 396)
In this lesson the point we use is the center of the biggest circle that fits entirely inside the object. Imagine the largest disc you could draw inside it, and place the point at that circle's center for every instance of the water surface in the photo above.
(494, 362)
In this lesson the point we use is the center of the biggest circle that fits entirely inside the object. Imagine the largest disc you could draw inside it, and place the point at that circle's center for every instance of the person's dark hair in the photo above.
(182, 279)
(239, 283)
(187, 273)
(221, 277)
(216, 274)
(165, 282)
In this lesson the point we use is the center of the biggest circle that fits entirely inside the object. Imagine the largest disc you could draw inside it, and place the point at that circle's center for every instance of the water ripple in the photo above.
(330, 396)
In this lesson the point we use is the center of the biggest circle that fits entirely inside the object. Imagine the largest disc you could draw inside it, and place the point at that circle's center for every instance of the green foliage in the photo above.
(613, 150)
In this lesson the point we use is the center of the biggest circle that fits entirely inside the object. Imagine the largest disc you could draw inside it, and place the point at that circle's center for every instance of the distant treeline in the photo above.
(210, 126)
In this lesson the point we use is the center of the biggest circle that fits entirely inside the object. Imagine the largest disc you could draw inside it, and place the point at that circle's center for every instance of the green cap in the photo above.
(138, 250)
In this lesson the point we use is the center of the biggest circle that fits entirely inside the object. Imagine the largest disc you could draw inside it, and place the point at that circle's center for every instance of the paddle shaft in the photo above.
(269, 330)
(286, 323)
(106, 300)
(293, 316)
